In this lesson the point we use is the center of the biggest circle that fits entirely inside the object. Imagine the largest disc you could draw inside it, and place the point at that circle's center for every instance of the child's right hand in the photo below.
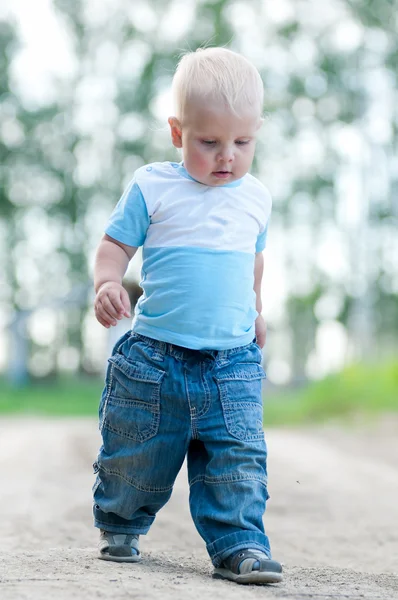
(111, 304)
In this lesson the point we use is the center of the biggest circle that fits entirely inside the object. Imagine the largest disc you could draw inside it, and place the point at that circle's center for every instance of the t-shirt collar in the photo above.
(184, 173)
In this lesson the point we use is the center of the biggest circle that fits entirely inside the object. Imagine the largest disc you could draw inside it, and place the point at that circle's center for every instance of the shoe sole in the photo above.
(255, 577)
(129, 559)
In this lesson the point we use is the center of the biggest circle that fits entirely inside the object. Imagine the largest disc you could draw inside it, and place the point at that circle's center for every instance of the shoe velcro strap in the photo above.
(124, 550)
(235, 561)
(119, 544)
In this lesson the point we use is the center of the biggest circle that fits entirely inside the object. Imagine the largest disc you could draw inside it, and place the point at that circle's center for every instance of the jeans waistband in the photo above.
(184, 353)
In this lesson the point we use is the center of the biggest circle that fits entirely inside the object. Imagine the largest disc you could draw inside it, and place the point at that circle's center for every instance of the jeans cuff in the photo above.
(112, 522)
(127, 529)
(220, 549)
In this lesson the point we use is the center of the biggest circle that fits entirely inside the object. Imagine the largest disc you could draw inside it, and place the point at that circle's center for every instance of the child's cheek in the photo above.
(200, 158)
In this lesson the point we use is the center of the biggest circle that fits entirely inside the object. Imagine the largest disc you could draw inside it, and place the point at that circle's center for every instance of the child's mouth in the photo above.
(222, 174)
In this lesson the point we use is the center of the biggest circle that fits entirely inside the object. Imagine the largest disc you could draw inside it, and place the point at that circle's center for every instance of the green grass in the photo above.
(66, 397)
(359, 389)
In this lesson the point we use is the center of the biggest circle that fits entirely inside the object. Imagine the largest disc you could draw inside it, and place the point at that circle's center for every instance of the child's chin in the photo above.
(222, 180)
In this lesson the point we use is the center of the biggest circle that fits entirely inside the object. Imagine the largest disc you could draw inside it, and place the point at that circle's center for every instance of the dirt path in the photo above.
(332, 518)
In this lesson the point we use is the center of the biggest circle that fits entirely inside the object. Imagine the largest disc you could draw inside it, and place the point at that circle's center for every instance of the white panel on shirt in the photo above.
(184, 212)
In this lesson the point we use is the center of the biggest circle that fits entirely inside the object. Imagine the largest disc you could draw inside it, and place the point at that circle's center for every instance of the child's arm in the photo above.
(260, 326)
(112, 302)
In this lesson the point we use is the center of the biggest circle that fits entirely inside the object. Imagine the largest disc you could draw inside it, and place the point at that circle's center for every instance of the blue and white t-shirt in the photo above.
(199, 244)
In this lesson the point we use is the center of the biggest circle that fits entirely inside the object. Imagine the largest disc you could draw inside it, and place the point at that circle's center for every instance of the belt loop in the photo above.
(222, 361)
(159, 350)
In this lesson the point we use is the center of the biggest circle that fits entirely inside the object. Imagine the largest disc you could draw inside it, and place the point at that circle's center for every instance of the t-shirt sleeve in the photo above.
(262, 240)
(129, 220)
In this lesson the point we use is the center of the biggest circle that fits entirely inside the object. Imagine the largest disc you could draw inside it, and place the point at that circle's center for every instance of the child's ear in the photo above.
(175, 130)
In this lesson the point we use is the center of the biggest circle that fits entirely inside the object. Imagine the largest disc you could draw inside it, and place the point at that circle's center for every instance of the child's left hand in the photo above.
(261, 331)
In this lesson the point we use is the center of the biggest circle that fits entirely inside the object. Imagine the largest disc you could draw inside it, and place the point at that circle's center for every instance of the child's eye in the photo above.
(208, 142)
(242, 142)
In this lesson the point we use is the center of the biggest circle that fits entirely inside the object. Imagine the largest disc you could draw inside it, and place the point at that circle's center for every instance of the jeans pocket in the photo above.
(132, 405)
(241, 400)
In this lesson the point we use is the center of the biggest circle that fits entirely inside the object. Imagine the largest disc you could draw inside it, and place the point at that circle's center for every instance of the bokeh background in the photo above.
(84, 101)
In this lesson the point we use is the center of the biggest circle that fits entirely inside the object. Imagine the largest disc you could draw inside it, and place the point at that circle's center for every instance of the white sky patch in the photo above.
(348, 141)
(142, 16)
(319, 16)
(163, 106)
(278, 371)
(11, 132)
(331, 254)
(100, 13)
(310, 150)
(177, 21)
(304, 51)
(46, 52)
(275, 280)
(278, 11)
(330, 351)
(242, 15)
(133, 58)
(303, 108)
(329, 306)
(347, 36)
(68, 359)
(42, 326)
(352, 200)
(107, 58)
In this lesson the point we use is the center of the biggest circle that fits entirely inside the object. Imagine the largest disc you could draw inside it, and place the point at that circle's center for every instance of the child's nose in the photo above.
(226, 154)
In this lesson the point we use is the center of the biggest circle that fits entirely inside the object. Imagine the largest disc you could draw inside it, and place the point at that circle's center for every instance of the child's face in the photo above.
(218, 145)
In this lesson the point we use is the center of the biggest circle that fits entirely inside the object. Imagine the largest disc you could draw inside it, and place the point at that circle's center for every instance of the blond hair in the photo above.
(217, 74)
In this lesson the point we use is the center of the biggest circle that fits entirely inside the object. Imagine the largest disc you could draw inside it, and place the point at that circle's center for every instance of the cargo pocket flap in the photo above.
(242, 372)
(137, 371)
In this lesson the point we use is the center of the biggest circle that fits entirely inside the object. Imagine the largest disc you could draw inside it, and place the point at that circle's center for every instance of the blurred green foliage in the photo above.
(63, 397)
(65, 161)
(359, 389)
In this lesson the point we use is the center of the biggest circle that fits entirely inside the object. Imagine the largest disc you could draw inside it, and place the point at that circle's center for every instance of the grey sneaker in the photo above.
(119, 547)
(249, 566)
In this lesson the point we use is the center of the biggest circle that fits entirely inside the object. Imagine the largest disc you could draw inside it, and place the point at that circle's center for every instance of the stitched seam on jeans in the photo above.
(140, 436)
(224, 399)
(239, 377)
(107, 397)
(241, 372)
(230, 405)
(198, 522)
(141, 488)
(133, 372)
(237, 433)
(206, 388)
(152, 407)
(230, 479)
(227, 409)
(192, 418)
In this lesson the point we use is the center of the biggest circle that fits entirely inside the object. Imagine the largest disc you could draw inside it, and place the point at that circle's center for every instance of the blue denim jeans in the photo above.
(162, 403)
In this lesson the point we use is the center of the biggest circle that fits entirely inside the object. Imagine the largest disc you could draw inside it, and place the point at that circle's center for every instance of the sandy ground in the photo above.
(332, 519)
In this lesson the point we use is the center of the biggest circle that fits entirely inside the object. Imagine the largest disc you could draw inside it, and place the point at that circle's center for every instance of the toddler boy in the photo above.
(186, 380)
